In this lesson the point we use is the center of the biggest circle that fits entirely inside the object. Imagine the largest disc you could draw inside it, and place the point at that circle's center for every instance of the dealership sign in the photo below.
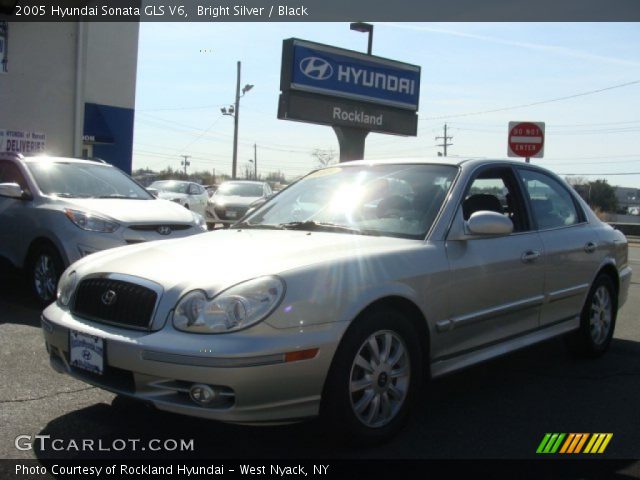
(338, 87)
(317, 68)
(22, 142)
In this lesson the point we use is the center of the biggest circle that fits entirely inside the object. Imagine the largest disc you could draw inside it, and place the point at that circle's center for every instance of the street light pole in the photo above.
(234, 111)
(235, 126)
(363, 27)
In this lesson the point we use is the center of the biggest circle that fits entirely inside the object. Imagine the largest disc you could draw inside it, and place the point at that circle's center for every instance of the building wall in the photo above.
(38, 94)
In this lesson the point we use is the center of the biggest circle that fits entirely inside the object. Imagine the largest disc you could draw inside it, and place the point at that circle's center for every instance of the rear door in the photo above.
(570, 243)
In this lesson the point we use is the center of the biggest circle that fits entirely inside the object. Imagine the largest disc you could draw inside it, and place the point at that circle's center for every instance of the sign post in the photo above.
(526, 139)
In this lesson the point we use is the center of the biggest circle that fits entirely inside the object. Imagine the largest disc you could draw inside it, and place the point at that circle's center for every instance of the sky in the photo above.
(581, 79)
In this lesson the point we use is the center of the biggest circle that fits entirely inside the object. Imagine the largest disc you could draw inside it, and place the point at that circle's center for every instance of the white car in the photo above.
(188, 194)
(54, 211)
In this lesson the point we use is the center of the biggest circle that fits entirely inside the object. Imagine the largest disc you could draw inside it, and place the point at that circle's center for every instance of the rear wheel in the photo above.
(597, 321)
(374, 379)
(45, 267)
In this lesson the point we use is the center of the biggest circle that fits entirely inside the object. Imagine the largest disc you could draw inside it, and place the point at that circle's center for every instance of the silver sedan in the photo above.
(341, 294)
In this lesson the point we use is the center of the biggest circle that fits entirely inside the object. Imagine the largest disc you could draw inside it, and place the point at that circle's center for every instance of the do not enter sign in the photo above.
(526, 139)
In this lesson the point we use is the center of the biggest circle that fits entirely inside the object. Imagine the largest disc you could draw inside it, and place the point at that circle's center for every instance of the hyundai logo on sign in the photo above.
(316, 68)
(343, 73)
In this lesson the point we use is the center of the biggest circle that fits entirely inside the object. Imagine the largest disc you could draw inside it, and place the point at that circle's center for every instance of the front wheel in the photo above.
(597, 320)
(374, 378)
(45, 268)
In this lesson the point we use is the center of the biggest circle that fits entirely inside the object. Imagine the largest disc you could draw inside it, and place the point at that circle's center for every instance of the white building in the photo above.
(69, 88)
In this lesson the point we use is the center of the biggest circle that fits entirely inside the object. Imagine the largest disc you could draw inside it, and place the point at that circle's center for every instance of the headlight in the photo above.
(238, 307)
(199, 221)
(66, 286)
(92, 223)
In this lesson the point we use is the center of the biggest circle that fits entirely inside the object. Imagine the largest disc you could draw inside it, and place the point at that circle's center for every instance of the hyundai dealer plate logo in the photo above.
(316, 68)
(109, 297)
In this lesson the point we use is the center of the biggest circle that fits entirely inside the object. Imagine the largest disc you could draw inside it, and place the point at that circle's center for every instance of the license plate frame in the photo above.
(87, 352)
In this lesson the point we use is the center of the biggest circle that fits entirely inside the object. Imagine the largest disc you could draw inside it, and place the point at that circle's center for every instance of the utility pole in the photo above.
(185, 163)
(255, 161)
(445, 138)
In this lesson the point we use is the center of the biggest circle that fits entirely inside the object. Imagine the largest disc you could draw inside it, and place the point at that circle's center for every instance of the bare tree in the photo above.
(323, 157)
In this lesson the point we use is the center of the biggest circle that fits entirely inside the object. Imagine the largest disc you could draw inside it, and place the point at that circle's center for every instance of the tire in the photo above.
(363, 398)
(44, 269)
(597, 320)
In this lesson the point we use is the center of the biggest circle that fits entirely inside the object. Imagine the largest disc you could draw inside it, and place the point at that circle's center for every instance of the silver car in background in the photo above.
(233, 199)
(342, 293)
(54, 211)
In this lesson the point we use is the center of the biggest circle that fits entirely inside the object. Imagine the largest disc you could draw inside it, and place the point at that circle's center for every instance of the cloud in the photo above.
(552, 49)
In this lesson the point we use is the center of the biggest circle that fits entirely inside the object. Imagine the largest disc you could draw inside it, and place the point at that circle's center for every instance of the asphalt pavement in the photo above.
(500, 409)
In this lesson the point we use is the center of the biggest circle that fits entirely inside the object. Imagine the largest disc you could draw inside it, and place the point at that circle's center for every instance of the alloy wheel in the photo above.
(379, 379)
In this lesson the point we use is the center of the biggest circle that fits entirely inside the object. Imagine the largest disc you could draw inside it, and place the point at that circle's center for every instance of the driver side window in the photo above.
(496, 190)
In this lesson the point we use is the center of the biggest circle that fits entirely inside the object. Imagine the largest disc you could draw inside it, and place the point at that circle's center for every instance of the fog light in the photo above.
(202, 394)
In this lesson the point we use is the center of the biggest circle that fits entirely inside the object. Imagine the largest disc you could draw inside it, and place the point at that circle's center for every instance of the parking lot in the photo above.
(500, 409)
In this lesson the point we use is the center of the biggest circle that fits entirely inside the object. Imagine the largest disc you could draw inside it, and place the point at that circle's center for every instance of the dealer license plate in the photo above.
(86, 352)
(232, 214)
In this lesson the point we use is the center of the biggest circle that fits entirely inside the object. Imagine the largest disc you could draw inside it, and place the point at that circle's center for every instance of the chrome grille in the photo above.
(115, 301)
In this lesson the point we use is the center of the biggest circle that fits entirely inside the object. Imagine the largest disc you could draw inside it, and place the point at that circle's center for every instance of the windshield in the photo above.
(85, 180)
(240, 190)
(393, 200)
(171, 186)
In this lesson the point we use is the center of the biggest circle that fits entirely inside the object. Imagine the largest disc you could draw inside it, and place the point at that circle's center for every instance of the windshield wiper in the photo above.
(312, 225)
(257, 225)
(65, 195)
(120, 197)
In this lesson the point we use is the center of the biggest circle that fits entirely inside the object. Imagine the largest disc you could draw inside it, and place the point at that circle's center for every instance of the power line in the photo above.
(533, 104)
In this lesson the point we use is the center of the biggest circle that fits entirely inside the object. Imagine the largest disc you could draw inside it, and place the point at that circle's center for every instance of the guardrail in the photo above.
(628, 229)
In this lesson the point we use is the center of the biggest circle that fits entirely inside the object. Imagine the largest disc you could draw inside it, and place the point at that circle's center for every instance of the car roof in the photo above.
(49, 158)
(457, 161)
(254, 182)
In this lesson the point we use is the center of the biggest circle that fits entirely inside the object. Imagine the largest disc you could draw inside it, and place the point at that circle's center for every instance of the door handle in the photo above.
(590, 247)
(530, 256)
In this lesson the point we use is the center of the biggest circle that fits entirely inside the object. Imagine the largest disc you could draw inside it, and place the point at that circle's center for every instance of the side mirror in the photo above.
(486, 223)
(153, 192)
(11, 190)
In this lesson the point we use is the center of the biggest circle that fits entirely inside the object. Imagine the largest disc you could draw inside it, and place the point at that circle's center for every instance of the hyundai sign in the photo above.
(327, 70)
(342, 88)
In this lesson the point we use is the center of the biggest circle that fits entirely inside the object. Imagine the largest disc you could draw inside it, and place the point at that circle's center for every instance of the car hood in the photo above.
(234, 200)
(222, 258)
(134, 211)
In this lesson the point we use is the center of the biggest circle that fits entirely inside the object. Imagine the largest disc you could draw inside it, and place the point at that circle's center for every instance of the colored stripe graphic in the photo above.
(573, 443)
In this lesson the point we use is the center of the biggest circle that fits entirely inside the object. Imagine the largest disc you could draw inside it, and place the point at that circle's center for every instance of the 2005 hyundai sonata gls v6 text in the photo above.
(339, 295)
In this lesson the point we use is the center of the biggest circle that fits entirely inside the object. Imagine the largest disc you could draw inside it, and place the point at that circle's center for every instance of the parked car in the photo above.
(188, 194)
(232, 200)
(211, 189)
(338, 295)
(53, 211)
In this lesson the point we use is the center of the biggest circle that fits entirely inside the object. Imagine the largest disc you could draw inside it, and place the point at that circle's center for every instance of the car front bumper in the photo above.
(247, 368)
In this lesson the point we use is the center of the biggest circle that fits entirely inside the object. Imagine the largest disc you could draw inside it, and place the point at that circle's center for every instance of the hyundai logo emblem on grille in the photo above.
(164, 230)
(109, 297)
(316, 68)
